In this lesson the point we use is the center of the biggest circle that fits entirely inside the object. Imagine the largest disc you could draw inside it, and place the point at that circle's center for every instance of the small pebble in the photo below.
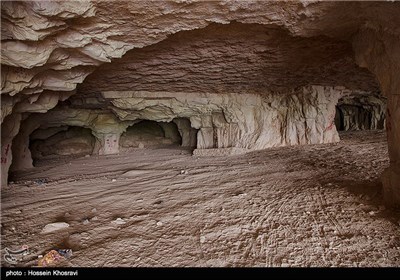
(372, 213)
(54, 227)
(159, 224)
(119, 221)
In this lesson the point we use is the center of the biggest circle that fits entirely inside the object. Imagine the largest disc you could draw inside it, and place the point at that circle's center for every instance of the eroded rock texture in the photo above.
(246, 121)
(234, 58)
(229, 74)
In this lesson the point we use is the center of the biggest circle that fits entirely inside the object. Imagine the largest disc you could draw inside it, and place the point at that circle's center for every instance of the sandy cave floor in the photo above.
(317, 205)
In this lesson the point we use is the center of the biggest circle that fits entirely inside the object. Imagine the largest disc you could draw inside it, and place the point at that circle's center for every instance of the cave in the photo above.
(150, 134)
(200, 133)
(360, 113)
(60, 142)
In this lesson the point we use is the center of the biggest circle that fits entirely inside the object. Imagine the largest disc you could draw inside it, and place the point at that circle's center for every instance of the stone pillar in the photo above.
(9, 128)
(22, 157)
(205, 138)
(222, 131)
(106, 143)
(379, 51)
(107, 129)
(187, 132)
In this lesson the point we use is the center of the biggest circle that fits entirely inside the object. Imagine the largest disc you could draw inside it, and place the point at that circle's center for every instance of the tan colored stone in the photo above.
(257, 49)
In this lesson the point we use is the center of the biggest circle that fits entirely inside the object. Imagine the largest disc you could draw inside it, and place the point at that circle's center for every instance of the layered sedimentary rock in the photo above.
(247, 121)
(233, 58)
(268, 58)
(59, 43)
(103, 125)
(205, 121)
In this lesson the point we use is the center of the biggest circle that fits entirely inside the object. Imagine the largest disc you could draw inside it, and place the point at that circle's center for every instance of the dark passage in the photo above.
(360, 113)
(61, 141)
(145, 134)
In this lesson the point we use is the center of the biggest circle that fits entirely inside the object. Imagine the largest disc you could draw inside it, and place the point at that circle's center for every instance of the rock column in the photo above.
(9, 128)
(379, 51)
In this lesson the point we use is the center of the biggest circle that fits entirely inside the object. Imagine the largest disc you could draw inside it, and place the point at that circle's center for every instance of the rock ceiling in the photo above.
(240, 58)
(55, 45)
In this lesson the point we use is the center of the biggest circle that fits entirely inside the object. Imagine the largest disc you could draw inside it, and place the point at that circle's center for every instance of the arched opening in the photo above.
(60, 142)
(150, 134)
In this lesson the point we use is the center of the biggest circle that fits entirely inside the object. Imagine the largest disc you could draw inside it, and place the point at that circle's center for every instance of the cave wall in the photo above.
(187, 132)
(209, 121)
(379, 50)
(103, 125)
(245, 121)
(171, 132)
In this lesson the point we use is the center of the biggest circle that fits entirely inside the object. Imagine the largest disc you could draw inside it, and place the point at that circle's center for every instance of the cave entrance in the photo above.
(60, 142)
(360, 113)
(150, 134)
